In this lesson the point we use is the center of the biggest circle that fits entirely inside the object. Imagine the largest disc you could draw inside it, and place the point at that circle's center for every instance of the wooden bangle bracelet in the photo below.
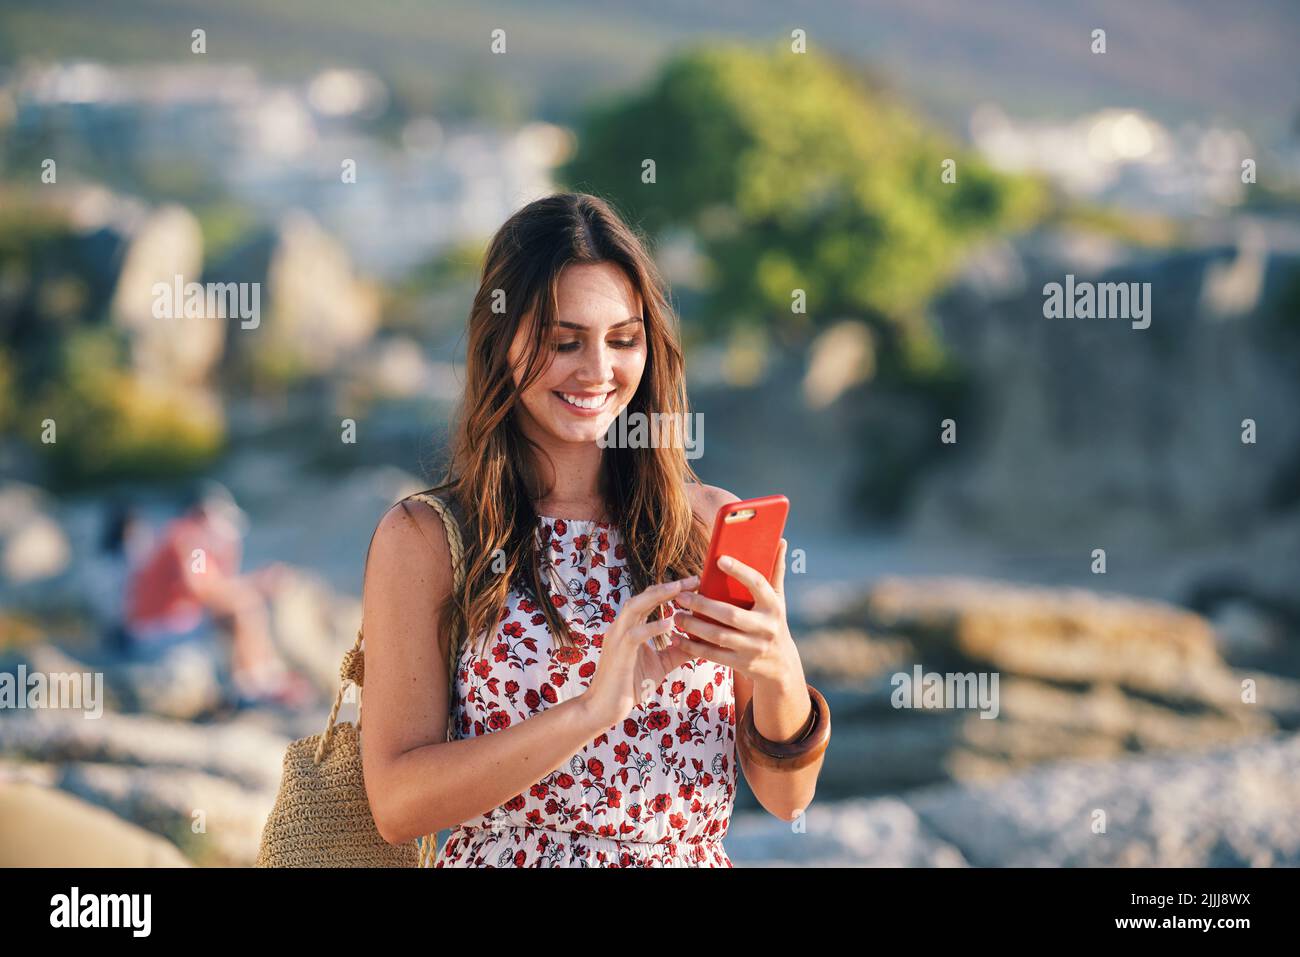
(791, 756)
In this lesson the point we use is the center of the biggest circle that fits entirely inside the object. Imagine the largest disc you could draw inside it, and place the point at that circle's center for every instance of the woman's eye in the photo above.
(616, 343)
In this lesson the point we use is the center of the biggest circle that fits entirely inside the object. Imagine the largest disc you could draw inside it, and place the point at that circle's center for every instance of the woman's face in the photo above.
(597, 352)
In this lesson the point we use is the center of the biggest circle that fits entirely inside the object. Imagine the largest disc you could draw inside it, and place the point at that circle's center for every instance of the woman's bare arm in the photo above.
(417, 781)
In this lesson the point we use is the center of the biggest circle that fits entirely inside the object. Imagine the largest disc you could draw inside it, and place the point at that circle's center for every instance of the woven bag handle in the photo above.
(352, 668)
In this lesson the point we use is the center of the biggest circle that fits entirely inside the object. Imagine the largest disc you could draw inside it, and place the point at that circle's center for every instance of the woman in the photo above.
(574, 741)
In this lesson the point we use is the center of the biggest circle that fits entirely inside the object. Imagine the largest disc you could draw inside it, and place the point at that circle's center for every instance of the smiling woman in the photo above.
(531, 709)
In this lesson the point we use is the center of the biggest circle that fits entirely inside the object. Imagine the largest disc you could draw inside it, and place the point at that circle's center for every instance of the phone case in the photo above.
(755, 541)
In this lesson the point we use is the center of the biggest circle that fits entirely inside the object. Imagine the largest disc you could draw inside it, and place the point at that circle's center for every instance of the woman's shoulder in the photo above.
(707, 499)
(411, 539)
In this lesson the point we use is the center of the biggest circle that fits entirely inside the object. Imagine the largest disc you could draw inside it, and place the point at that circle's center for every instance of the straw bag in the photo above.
(321, 816)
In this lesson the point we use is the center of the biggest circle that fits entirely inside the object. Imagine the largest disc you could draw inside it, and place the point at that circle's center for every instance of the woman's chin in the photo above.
(581, 432)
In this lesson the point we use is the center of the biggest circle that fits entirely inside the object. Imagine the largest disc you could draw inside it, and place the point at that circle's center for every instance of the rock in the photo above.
(1060, 634)
(313, 628)
(33, 546)
(216, 821)
(848, 656)
(1086, 432)
(1079, 675)
(184, 682)
(167, 245)
(842, 356)
(1233, 807)
(858, 833)
(42, 827)
(237, 750)
(321, 310)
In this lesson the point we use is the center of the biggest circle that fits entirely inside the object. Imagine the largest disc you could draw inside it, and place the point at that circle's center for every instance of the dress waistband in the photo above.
(691, 849)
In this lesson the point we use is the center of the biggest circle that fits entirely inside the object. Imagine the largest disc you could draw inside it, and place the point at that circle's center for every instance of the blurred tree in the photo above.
(112, 425)
(793, 172)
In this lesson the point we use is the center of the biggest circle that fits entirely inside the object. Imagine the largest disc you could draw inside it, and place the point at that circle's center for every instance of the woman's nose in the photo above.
(598, 365)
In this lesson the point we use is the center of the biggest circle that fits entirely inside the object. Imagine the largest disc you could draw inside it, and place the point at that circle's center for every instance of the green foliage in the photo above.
(110, 424)
(794, 174)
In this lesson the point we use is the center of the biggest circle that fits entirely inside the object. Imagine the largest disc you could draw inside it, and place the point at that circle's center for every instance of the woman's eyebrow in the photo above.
(574, 325)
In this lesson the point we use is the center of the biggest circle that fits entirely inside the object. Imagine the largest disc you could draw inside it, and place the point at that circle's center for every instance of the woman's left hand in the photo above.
(754, 641)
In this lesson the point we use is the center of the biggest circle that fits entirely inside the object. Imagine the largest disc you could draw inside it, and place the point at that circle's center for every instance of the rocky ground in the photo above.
(1121, 737)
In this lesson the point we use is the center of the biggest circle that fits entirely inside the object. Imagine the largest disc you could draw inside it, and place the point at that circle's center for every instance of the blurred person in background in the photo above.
(125, 542)
(189, 581)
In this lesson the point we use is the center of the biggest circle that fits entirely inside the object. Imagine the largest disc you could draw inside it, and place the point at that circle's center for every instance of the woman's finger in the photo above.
(643, 603)
(778, 573)
(741, 619)
(646, 630)
(717, 634)
(759, 587)
(704, 649)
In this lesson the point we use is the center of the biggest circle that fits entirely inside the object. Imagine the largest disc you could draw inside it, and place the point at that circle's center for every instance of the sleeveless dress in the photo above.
(654, 790)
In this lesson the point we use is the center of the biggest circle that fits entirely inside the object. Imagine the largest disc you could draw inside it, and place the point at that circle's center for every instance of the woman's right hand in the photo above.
(631, 668)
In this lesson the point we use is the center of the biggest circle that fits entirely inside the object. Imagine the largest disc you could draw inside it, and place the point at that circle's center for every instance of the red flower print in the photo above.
(655, 789)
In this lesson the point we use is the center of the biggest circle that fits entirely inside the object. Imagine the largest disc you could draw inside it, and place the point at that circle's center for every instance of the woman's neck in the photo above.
(576, 490)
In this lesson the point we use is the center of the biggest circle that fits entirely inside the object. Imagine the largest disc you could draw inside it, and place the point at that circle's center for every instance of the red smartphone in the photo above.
(750, 532)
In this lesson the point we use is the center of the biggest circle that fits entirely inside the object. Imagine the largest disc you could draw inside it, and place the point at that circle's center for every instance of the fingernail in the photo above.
(724, 561)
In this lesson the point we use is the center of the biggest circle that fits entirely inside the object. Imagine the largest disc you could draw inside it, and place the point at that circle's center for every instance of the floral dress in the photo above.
(654, 790)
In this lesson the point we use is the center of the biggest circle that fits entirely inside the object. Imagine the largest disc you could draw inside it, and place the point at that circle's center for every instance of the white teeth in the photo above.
(592, 403)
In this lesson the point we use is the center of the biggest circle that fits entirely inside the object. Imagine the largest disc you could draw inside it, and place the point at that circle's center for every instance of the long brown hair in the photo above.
(491, 477)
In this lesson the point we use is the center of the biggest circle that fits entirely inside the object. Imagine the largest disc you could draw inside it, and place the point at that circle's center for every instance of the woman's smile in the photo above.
(584, 403)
